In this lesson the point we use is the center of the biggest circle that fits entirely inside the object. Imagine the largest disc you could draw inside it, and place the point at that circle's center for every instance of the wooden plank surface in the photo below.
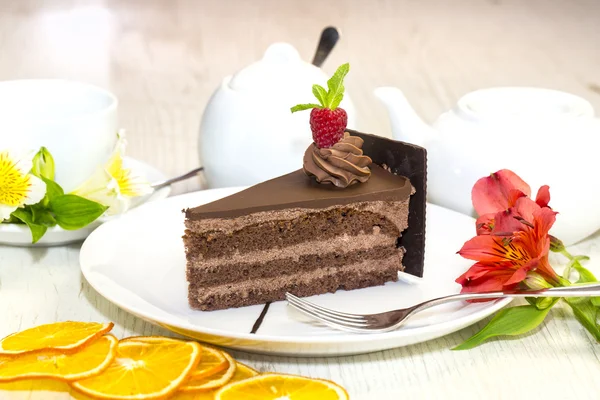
(163, 59)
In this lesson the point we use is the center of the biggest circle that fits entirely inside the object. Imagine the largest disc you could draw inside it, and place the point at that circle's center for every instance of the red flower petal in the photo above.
(493, 281)
(543, 219)
(484, 285)
(492, 194)
(485, 224)
(484, 248)
(525, 207)
(543, 196)
(505, 221)
(546, 270)
(477, 271)
(521, 273)
(515, 195)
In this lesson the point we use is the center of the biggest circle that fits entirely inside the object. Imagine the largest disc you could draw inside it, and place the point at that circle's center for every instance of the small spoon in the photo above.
(329, 37)
(161, 184)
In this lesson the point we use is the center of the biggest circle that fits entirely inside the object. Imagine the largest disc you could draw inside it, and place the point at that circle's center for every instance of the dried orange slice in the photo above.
(89, 361)
(279, 386)
(213, 381)
(64, 336)
(153, 340)
(143, 370)
(241, 372)
(211, 361)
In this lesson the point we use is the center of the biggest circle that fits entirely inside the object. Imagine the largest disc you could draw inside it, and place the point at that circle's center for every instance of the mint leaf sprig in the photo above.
(68, 211)
(333, 96)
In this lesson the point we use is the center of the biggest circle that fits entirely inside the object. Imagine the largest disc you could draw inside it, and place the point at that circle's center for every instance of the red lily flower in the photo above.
(501, 191)
(503, 261)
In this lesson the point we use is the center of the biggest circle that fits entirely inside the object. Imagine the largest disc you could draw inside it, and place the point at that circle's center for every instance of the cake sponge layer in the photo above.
(209, 239)
(276, 262)
(328, 279)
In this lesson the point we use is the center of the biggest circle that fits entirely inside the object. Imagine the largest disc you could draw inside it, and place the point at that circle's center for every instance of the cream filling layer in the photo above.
(244, 289)
(340, 244)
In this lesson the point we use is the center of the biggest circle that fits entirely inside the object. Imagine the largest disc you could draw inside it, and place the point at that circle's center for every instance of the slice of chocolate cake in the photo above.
(303, 234)
(352, 217)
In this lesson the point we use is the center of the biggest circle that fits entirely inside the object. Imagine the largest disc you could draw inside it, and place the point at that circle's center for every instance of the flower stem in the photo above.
(565, 253)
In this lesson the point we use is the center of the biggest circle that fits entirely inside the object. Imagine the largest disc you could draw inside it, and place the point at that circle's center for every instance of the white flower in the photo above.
(113, 185)
(17, 186)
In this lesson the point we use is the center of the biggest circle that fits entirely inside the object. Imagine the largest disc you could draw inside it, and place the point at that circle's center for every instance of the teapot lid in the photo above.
(523, 102)
(281, 68)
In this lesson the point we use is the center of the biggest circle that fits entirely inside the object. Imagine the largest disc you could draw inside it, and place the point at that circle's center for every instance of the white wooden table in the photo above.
(560, 360)
(163, 59)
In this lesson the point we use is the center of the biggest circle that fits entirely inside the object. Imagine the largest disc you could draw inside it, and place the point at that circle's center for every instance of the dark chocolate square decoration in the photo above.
(410, 161)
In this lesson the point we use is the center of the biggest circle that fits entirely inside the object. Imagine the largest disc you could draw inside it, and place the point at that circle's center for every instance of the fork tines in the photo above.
(336, 319)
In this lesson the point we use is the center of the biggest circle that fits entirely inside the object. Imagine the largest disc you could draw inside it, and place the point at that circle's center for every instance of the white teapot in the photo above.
(545, 136)
(248, 134)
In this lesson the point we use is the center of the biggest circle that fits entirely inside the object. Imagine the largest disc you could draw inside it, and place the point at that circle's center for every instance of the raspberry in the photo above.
(327, 120)
(327, 126)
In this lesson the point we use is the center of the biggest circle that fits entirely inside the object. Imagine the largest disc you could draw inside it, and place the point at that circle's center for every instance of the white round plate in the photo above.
(19, 235)
(138, 263)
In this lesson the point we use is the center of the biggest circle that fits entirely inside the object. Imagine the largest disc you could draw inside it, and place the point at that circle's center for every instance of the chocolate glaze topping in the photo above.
(297, 190)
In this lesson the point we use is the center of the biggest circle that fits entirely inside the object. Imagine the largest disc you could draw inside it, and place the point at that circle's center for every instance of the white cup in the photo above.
(75, 121)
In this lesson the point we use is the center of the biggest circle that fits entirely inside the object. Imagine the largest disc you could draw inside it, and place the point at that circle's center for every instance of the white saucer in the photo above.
(138, 263)
(19, 235)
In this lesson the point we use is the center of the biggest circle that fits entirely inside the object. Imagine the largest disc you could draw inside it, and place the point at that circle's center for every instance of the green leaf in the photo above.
(336, 102)
(301, 107)
(507, 322)
(336, 85)
(12, 220)
(587, 314)
(320, 93)
(531, 300)
(43, 164)
(53, 189)
(25, 216)
(585, 276)
(73, 212)
(42, 215)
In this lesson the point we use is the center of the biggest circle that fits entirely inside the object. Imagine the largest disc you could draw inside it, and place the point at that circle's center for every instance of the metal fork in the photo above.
(391, 320)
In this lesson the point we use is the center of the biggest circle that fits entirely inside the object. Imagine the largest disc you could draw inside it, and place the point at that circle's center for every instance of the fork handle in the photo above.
(588, 290)
(168, 182)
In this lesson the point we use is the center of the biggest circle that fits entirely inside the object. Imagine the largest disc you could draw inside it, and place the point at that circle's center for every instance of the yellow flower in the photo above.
(17, 186)
(113, 185)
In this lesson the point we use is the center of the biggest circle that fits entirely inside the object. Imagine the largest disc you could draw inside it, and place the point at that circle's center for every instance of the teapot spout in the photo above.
(406, 125)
